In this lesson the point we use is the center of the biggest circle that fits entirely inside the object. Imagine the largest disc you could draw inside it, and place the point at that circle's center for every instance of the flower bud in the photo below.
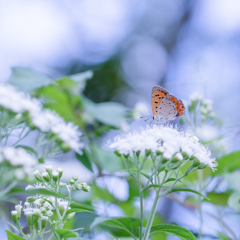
(31, 199)
(36, 213)
(65, 147)
(84, 185)
(30, 187)
(86, 189)
(28, 215)
(49, 213)
(38, 176)
(62, 184)
(117, 153)
(49, 170)
(55, 175)
(75, 178)
(176, 158)
(166, 157)
(79, 186)
(196, 162)
(42, 201)
(72, 181)
(44, 221)
(46, 176)
(60, 171)
(26, 204)
(19, 210)
(70, 215)
(202, 166)
(43, 210)
(147, 152)
(138, 153)
(14, 216)
(185, 155)
(62, 209)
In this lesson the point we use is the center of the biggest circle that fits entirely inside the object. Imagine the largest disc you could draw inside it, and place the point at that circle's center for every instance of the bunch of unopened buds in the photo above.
(48, 202)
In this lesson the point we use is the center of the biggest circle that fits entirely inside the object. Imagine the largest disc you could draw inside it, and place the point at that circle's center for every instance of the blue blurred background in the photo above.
(182, 45)
(132, 45)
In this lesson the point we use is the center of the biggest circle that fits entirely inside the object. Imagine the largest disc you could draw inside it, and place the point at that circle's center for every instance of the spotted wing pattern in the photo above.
(158, 94)
(170, 108)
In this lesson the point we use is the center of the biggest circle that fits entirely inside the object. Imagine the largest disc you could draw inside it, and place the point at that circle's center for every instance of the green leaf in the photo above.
(77, 210)
(174, 230)
(26, 79)
(223, 236)
(188, 190)
(46, 192)
(173, 179)
(13, 236)
(64, 233)
(81, 206)
(128, 224)
(104, 159)
(142, 173)
(154, 186)
(234, 201)
(228, 163)
(27, 148)
(219, 198)
(110, 113)
(81, 77)
(84, 159)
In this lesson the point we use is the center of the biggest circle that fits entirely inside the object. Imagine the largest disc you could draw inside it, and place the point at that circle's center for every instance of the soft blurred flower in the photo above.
(140, 110)
(195, 96)
(19, 158)
(43, 119)
(171, 139)
(17, 101)
(49, 121)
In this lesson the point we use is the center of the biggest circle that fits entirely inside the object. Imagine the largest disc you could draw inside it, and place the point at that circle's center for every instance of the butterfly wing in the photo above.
(158, 94)
(170, 108)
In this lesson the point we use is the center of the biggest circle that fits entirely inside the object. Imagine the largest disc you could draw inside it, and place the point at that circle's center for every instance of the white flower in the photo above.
(55, 174)
(18, 207)
(179, 156)
(49, 121)
(14, 213)
(29, 187)
(30, 211)
(195, 96)
(64, 204)
(171, 139)
(140, 109)
(44, 119)
(46, 204)
(17, 101)
(18, 157)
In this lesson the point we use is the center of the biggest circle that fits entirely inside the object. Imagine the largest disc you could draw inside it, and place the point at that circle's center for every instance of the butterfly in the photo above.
(165, 107)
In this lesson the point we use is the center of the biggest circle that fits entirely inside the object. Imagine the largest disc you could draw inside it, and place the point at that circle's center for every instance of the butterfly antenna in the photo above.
(147, 119)
(146, 116)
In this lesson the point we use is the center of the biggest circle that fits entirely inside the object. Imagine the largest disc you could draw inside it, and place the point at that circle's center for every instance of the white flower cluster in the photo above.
(16, 101)
(165, 139)
(44, 119)
(206, 104)
(48, 121)
(18, 157)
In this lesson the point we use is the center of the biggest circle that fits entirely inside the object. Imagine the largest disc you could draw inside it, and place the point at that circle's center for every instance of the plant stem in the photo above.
(140, 194)
(200, 179)
(152, 215)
